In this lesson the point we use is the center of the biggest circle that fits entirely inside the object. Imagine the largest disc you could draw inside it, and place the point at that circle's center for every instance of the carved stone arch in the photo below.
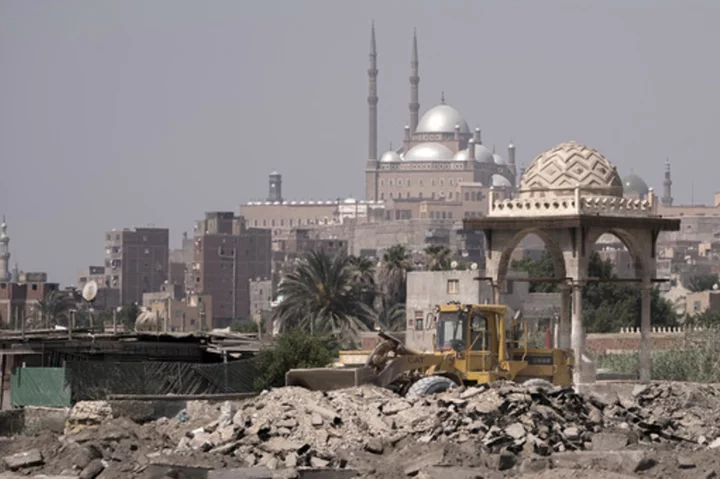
(643, 270)
(551, 245)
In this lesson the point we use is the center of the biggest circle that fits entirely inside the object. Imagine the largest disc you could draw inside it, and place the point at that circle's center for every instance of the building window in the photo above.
(255, 222)
(290, 221)
(452, 182)
(420, 182)
(696, 306)
(453, 286)
(419, 321)
(264, 222)
(420, 195)
(391, 183)
(449, 195)
(147, 251)
(145, 238)
(473, 196)
(467, 196)
(450, 214)
(442, 182)
(407, 195)
(399, 182)
(272, 222)
(282, 222)
(432, 182)
(382, 196)
(299, 221)
(391, 195)
(407, 182)
(432, 195)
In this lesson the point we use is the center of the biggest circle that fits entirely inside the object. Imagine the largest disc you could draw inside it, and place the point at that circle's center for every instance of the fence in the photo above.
(96, 380)
(40, 387)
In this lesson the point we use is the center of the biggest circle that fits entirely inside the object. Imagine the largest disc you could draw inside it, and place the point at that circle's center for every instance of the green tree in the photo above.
(321, 294)
(55, 308)
(247, 326)
(364, 273)
(294, 349)
(702, 282)
(707, 318)
(127, 316)
(396, 264)
(392, 317)
(438, 257)
(537, 269)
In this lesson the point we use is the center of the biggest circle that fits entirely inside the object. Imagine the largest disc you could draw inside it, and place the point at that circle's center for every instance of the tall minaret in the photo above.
(372, 163)
(414, 81)
(667, 198)
(4, 253)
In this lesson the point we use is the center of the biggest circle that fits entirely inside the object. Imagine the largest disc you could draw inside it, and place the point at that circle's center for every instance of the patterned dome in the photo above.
(570, 165)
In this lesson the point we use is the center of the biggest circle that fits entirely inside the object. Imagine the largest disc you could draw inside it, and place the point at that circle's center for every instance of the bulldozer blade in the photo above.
(328, 379)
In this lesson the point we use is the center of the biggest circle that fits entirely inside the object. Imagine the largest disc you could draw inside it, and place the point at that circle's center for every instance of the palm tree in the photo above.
(364, 272)
(321, 294)
(438, 257)
(55, 308)
(393, 274)
(392, 317)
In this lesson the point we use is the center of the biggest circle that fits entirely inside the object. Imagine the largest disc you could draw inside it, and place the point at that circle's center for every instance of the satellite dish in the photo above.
(89, 291)
(454, 265)
(473, 266)
(715, 287)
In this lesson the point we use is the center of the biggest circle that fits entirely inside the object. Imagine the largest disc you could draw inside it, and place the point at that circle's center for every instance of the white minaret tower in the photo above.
(4, 253)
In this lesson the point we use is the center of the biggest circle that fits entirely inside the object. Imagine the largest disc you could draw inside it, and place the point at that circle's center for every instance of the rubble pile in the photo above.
(292, 427)
(689, 412)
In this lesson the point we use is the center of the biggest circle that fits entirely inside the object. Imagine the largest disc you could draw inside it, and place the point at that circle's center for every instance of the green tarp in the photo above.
(40, 387)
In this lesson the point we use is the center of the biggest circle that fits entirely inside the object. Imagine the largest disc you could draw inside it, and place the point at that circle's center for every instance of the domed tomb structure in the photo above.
(635, 187)
(570, 165)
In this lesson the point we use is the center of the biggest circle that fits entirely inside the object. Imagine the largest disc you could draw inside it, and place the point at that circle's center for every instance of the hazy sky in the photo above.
(122, 113)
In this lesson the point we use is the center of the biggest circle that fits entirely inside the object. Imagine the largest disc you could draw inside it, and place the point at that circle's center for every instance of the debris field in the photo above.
(498, 430)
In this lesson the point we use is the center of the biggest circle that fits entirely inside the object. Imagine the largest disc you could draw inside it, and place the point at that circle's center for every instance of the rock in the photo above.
(571, 433)
(24, 459)
(515, 431)
(278, 445)
(506, 461)
(316, 420)
(395, 406)
(685, 462)
(375, 446)
(639, 389)
(227, 413)
(318, 463)
(286, 423)
(201, 441)
(93, 469)
(84, 455)
(291, 460)
(226, 434)
(225, 449)
(239, 419)
(534, 465)
(715, 444)
(644, 464)
(272, 463)
(609, 441)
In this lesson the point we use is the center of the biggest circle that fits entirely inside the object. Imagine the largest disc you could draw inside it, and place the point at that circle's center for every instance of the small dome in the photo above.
(499, 160)
(389, 156)
(499, 181)
(570, 165)
(482, 155)
(429, 152)
(633, 184)
(442, 119)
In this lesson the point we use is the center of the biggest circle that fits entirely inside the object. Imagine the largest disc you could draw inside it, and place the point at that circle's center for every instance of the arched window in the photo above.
(467, 196)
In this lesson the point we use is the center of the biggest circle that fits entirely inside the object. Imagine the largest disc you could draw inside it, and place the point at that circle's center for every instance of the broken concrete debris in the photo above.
(509, 428)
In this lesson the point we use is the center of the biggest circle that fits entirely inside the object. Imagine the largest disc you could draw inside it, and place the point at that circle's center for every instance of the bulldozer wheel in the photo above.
(431, 385)
(538, 383)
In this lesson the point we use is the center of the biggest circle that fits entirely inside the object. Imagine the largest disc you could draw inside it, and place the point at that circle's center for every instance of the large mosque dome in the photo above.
(429, 152)
(482, 155)
(570, 165)
(389, 156)
(635, 185)
(442, 119)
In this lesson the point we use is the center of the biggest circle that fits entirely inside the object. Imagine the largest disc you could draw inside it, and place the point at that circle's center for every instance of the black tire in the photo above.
(538, 383)
(430, 385)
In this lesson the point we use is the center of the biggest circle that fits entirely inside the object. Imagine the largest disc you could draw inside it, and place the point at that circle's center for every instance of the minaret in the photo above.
(667, 198)
(4, 253)
(414, 81)
(372, 164)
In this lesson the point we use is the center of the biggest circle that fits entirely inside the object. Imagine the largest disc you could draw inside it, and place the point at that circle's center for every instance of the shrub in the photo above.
(294, 349)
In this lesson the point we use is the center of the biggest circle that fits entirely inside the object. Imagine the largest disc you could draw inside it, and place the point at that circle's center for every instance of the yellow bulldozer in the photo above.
(471, 345)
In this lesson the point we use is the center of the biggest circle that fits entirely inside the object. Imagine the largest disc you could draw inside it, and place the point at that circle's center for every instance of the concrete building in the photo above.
(698, 303)
(427, 289)
(136, 261)
(227, 255)
(189, 314)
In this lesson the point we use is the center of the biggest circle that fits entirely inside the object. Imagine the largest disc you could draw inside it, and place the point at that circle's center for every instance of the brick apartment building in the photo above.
(136, 261)
(227, 256)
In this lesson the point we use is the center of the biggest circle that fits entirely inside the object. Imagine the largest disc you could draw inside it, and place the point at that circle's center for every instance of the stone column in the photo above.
(496, 292)
(645, 342)
(577, 333)
(564, 326)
